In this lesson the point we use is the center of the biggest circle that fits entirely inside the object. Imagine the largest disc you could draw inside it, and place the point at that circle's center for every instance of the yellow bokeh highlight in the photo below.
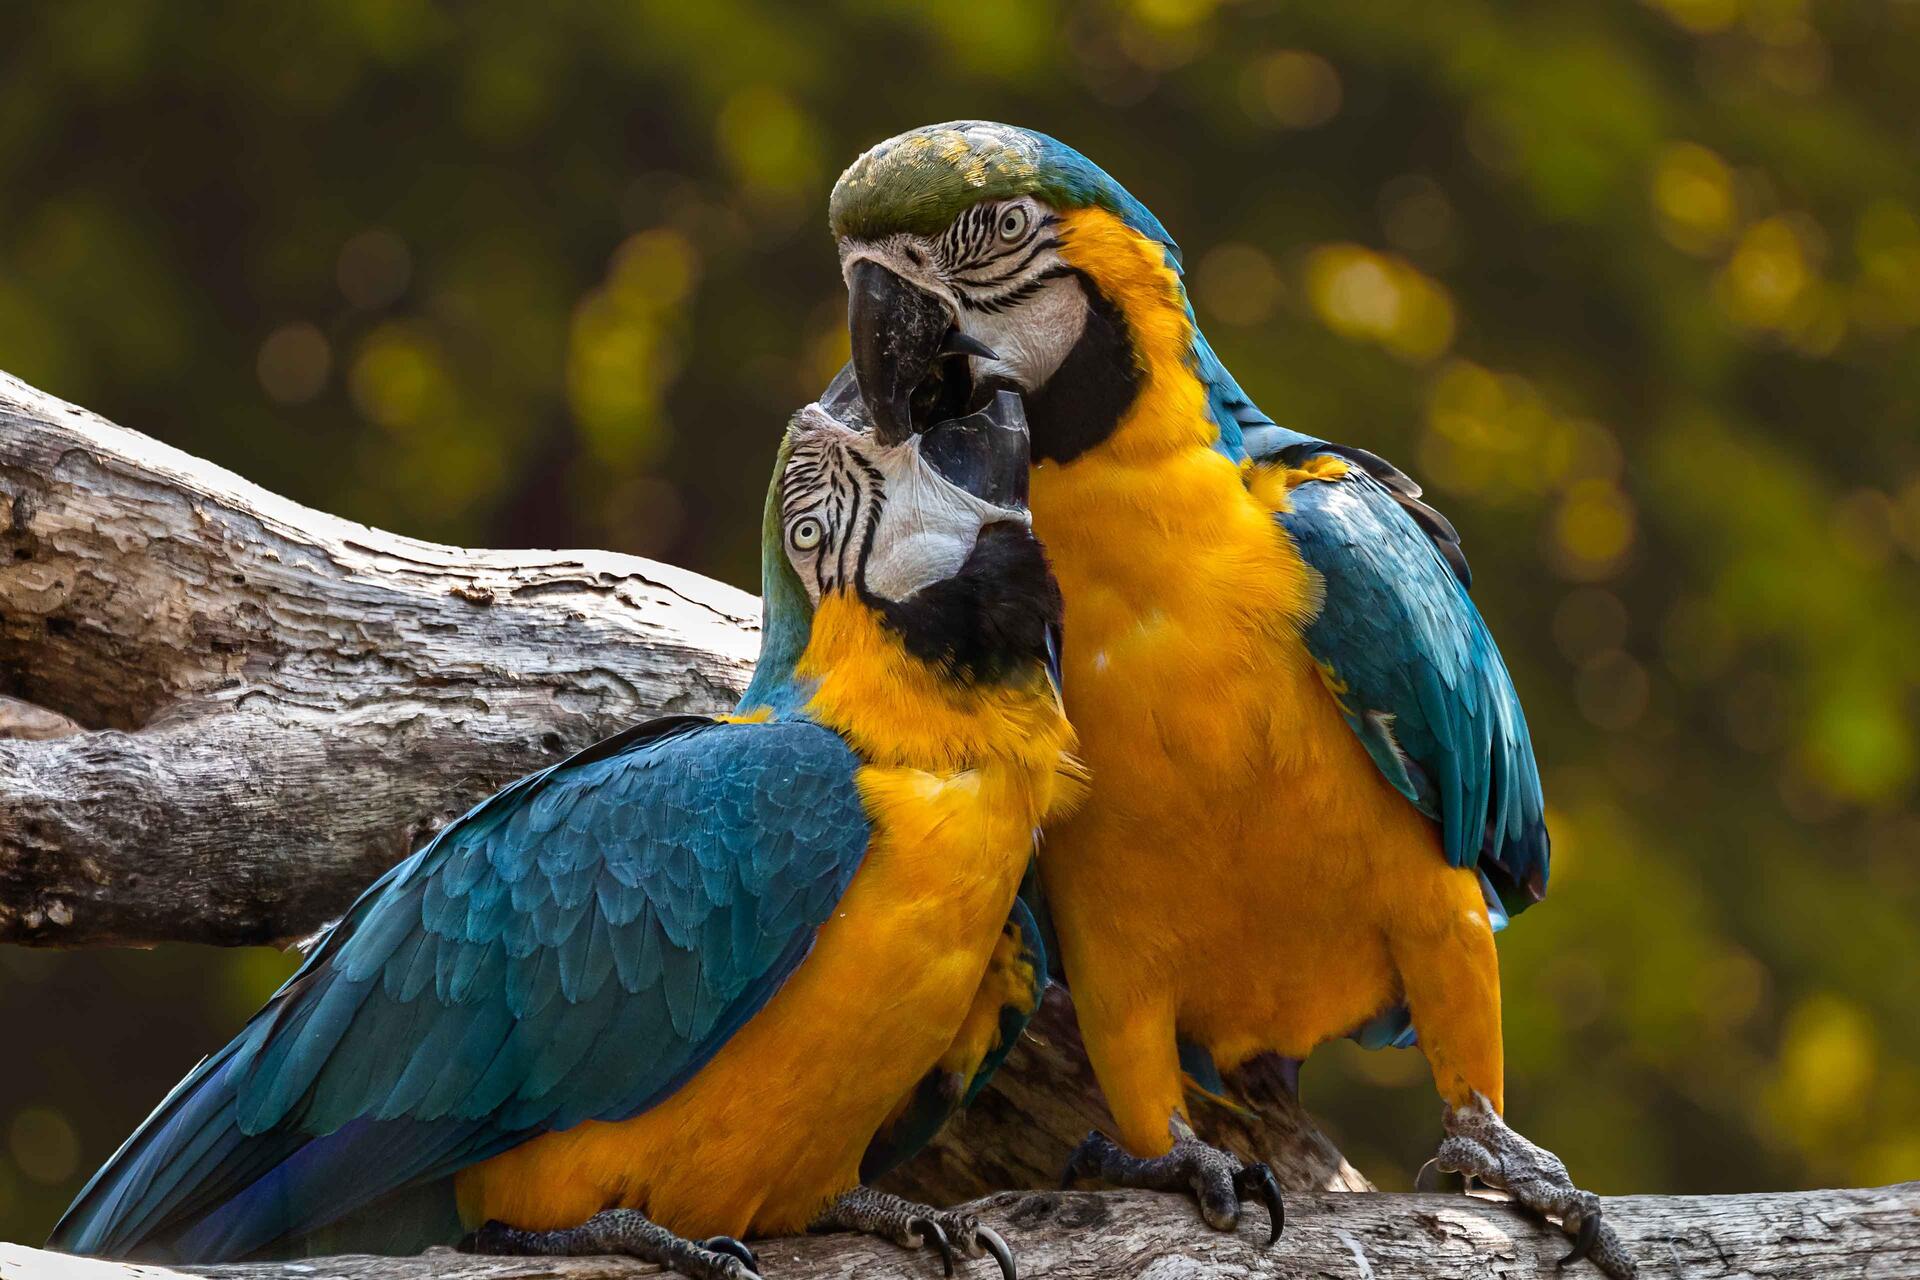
(1495, 436)
(1886, 295)
(1771, 284)
(1693, 198)
(399, 378)
(1175, 14)
(1592, 531)
(1376, 297)
(769, 143)
(1766, 275)
(1828, 1061)
(1237, 283)
(623, 348)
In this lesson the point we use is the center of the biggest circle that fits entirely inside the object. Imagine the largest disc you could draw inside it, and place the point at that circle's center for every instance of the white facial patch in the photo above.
(1032, 337)
(927, 527)
(854, 511)
(1017, 296)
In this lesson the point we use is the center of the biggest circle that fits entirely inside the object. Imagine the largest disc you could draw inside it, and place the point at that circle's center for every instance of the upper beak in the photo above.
(898, 330)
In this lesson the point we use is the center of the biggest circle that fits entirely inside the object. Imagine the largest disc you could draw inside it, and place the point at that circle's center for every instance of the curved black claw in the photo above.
(1583, 1240)
(930, 1232)
(1258, 1179)
(990, 1240)
(733, 1249)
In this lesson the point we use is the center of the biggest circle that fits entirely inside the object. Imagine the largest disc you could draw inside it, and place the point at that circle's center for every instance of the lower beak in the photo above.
(985, 453)
(898, 330)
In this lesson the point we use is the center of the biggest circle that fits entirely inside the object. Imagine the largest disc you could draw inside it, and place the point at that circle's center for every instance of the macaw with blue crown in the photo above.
(1314, 801)
(693, 983)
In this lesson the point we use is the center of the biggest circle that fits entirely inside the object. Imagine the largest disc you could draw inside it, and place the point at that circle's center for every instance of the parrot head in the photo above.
(887, 520)
(977, 257)
(929, 531)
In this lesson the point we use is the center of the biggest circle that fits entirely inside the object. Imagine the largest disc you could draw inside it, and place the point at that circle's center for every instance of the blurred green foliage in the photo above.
(1635, 288)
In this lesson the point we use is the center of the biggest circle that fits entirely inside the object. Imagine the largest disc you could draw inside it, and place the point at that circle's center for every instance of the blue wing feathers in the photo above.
(575, 947)
(1425, 688)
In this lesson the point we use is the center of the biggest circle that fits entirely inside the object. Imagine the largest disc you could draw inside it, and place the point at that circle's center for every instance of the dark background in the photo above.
(1634, 288)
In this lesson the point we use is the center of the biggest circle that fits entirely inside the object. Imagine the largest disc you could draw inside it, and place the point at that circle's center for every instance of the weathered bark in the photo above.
(279, 704)
(1807, 1235)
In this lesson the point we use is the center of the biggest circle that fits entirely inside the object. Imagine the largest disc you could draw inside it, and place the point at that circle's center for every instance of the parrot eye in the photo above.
(805, 534)
(1013, 223)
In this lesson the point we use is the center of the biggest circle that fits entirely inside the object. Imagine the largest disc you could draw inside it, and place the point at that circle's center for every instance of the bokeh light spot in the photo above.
(1592, 531)
(293, 363)
(1693, 198)
(1416, 215)
(44, 1145)
(1237, 283)
(1291, 89)
(396, 377)
(1828, 1059)
(771, 145)
(1377, 297)
(1612, 691)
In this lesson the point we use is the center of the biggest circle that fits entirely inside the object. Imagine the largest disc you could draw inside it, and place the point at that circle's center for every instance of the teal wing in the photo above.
(574, 948)
(1424, 685)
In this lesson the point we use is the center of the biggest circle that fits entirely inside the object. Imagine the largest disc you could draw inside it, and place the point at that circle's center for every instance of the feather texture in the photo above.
(574, 947)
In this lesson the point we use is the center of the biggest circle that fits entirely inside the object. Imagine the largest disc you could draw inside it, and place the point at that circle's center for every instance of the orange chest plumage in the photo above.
(1240, 860)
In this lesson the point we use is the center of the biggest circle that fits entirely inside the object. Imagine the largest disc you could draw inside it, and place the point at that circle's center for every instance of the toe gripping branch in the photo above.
(1217, 1179)
(866, 1211)
(1479, 1144)
(626, 1232)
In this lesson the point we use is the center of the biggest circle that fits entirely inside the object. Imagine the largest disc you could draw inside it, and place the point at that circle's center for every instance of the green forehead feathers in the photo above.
(919, 181)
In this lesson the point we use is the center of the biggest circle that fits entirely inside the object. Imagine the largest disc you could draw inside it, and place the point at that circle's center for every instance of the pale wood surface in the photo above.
(1810, 1235)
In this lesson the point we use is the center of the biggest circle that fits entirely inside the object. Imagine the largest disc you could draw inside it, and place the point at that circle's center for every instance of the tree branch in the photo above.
(222, 714)
(1805, 1235)
(279, 704)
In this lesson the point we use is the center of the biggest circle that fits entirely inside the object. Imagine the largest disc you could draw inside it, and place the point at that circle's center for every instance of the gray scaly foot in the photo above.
(626, 1232)
(1479, 1144)
(1217, 1179)
(867, 1212)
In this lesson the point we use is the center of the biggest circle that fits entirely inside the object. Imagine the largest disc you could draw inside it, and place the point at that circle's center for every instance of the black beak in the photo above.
(899, 331)
(985, 453)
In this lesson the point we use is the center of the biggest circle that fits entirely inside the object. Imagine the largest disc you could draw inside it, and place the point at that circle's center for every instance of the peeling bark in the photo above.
(1805, 1235)
(228, 713)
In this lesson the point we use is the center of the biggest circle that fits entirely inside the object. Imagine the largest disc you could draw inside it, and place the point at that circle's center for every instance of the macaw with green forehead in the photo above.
(701, 980)
(1314, 798)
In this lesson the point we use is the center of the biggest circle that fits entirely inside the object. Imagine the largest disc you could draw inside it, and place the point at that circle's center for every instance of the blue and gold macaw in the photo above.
(677, 989)
(1314, 799)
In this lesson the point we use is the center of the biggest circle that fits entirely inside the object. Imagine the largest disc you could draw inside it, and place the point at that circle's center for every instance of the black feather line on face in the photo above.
(1087, 396)
(836, 486)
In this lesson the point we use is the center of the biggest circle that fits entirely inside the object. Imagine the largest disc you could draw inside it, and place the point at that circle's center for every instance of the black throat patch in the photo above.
(990, 622)
(1084, 400)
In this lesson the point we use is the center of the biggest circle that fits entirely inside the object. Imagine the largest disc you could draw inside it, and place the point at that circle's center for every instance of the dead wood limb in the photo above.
(1803, 1235)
